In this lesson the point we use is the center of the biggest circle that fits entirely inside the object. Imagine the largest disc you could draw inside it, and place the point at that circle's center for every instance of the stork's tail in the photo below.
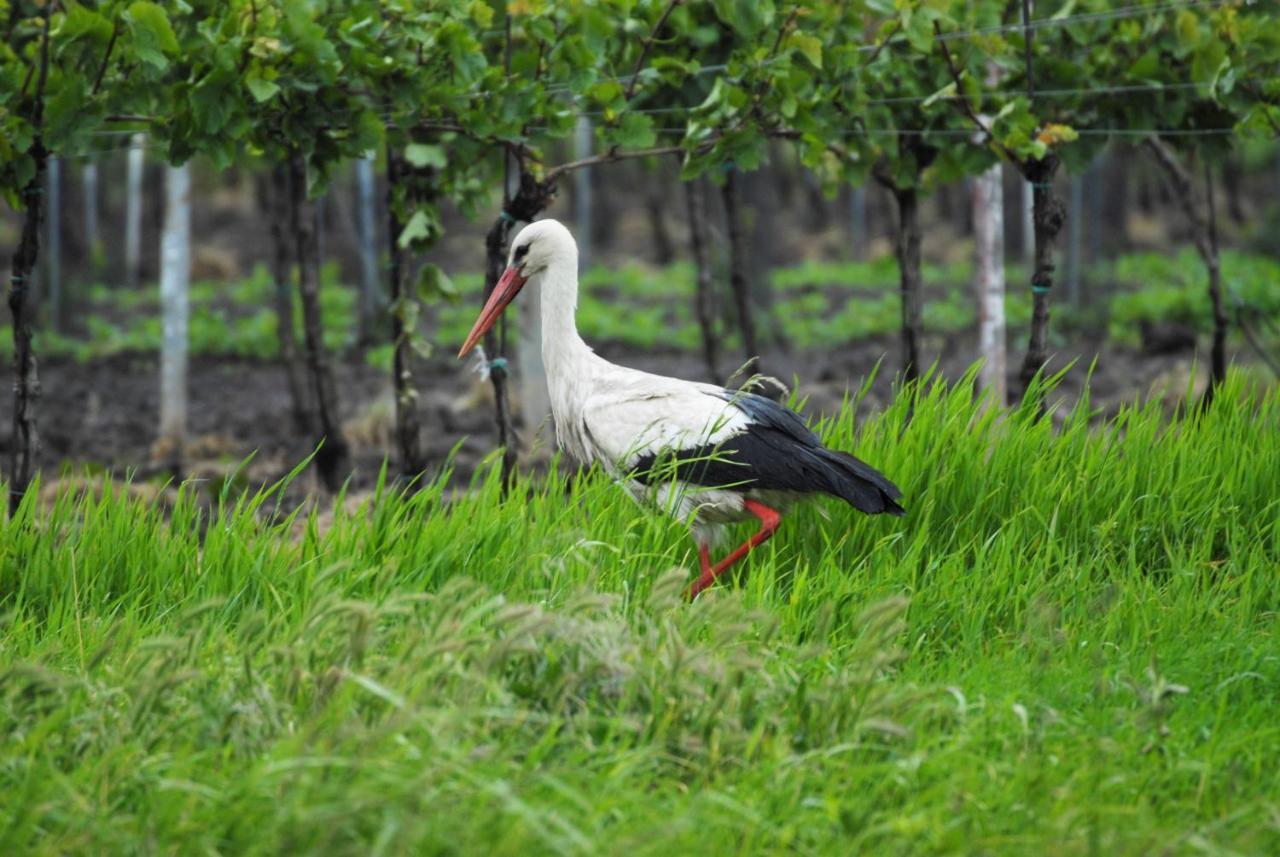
(860, 485)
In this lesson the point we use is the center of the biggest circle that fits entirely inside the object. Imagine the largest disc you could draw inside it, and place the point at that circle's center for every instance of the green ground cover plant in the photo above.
(1168, 288)
(1067, 646)
(824, 305)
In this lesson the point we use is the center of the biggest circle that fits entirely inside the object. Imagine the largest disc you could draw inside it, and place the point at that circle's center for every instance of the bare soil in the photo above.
(103, 416)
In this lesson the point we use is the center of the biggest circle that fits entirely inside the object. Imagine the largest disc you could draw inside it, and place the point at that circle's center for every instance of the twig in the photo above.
(965, 107)
(782, 32)
(616, 154)
(26, 81)
(1251, 336)
(1027, 39)
(428, 127)
(1266, 114)
(791, 134)
(893, 31)
(962, 103)
(106, 58)
(612, 155)
(253, 31)
(44, 74)
(763, 86)
(647, 46)
(1212, 209)
(1184, 190)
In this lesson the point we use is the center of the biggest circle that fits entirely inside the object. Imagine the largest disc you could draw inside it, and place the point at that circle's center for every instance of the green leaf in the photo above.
(421, 346)
(810, 47)
(918, 28)
(81, 22)
(434, 284)
(406, 309)
(947, 91)
(423, 155)
(1208, 63)
(420, 227)
(262, 90)
(1188, 29)
(69, 112)
(636, 131)
(153, 36)
(1146, 67)
(746, 17)
(482, 13)
(213, 102)
(788, 106)
(605, 92)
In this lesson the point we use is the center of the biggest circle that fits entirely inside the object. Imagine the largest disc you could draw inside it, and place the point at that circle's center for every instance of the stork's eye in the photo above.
(521, 252)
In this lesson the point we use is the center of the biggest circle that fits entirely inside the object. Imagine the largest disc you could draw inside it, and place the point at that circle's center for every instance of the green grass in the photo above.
(1068, 646)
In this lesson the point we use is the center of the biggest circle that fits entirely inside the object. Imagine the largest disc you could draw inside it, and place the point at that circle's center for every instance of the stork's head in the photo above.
(537, 247)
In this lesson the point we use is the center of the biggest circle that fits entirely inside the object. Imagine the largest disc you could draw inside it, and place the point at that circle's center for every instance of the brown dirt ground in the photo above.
(104, 415)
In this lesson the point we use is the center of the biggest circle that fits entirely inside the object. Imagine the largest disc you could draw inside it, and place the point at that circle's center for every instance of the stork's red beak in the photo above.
(503, 293)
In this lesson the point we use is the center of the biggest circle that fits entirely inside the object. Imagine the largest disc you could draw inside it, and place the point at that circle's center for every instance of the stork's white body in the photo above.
(615, 416)
(732, 455)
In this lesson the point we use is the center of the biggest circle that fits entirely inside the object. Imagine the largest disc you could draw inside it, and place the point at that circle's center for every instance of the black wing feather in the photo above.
(777, 452)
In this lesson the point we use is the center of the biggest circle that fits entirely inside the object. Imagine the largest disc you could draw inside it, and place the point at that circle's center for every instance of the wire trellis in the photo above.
(1036, 24)
(1085, 91)
(1122, 13)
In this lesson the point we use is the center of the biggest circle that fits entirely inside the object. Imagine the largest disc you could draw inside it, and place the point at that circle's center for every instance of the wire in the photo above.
(1126, 89)
(963, 132)
(1144, 89)
(1122, 13)
(704, 70)
(1086, 17)
(866, 132)
(93, 153)
(1036, 24)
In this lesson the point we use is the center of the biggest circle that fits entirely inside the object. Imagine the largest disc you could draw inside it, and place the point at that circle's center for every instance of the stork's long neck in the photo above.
(566, 357)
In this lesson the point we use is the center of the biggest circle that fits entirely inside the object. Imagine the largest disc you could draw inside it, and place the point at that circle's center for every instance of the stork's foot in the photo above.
(769, 520)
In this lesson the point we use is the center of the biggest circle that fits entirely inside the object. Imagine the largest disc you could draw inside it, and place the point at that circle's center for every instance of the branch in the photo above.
(1259, 97)
(38, 117)
(623, 154)
(763, 86)
(791, 134)
(782, 32)
(106, 58)
(962, 104)
(614, 155)
(26, 81)
(1252, 337)
(881, 173)
(428, 127)
(1028, 37)
(506, 153)
(517, 148)
(1270, 121)
(253, 31)
(1184, 189)
(648, 44)
(1213, 215)
(893, 31)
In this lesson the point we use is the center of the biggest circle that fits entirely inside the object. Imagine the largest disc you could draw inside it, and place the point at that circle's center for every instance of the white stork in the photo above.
(709, 455)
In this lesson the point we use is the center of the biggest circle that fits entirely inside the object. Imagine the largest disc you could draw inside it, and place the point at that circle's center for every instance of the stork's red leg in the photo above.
(704, 558)
(769, 520)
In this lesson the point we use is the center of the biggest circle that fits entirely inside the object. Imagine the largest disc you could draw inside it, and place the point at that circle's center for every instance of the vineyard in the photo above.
(280, 573)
